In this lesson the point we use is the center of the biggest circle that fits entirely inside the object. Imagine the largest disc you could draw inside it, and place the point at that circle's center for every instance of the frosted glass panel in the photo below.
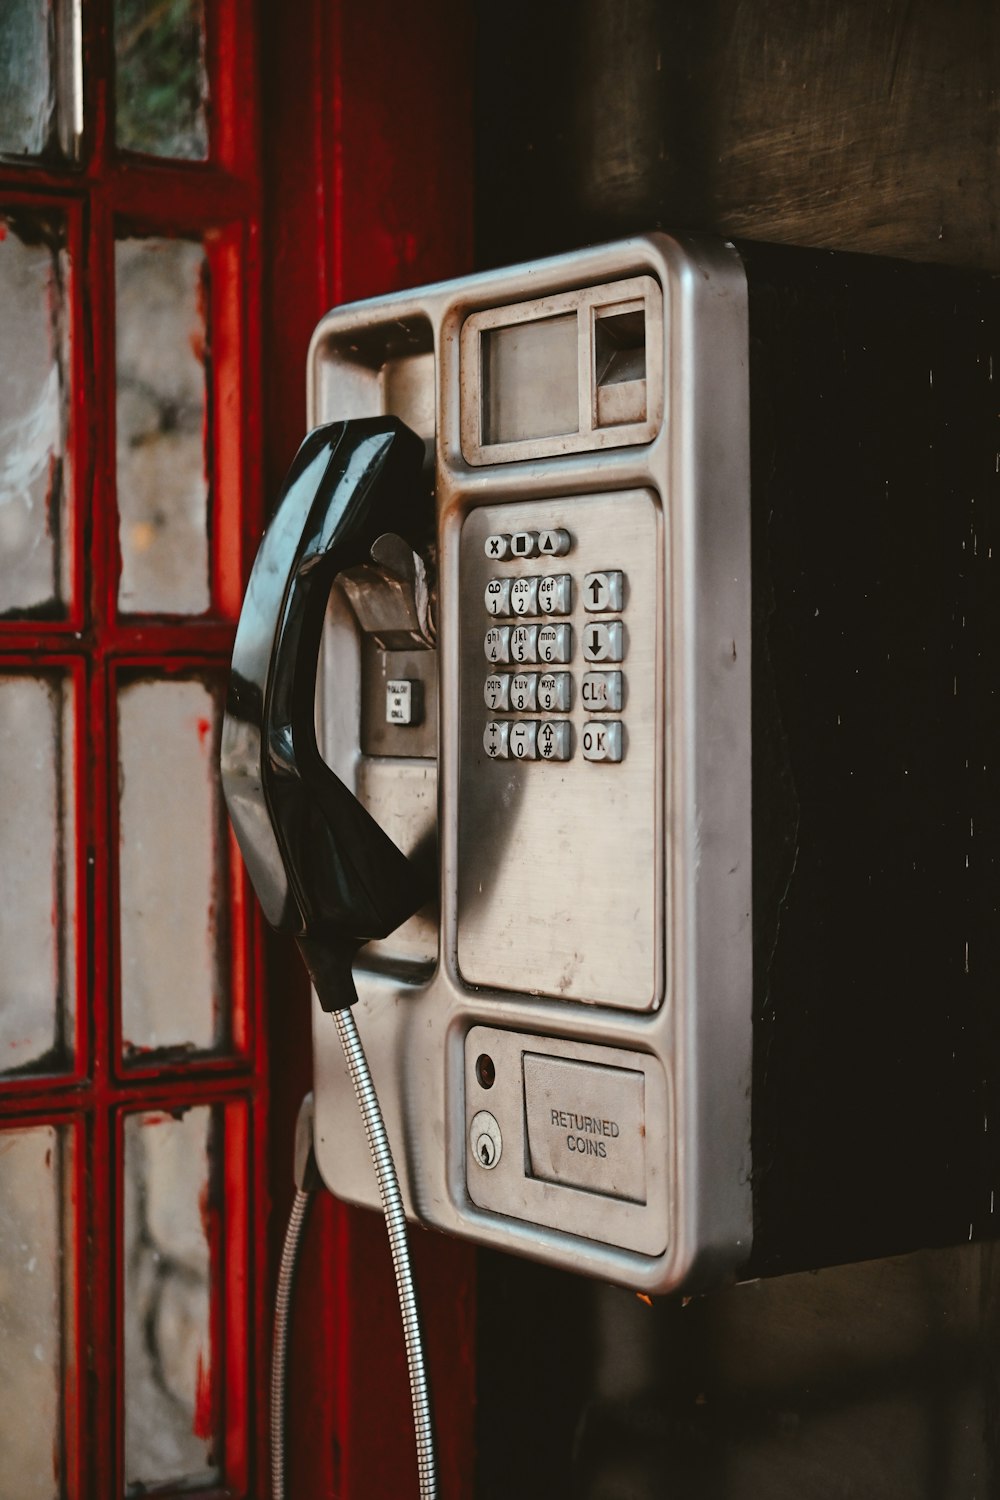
(33, 415)
(27, 77)
(170, 877)
(160, 77)
(169, 1384)
(162, 479)
(34, 1302)
(37, 873)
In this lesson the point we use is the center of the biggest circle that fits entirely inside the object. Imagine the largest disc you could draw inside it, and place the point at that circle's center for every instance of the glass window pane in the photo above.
(35, 1294)
(37, 873)
(171, 864)
(33, 415)
(160, 77)
(161, 415)
(27, 77)
(169, 1381)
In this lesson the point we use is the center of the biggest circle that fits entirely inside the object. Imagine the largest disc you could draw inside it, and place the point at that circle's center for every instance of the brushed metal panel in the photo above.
(559, 885)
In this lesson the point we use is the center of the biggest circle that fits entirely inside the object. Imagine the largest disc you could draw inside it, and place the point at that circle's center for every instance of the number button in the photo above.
(553, 692)
(601, 692)
(524, 740)
(555, 643)
(524, 643)
(554, 594)
(497, 547)
(524, 692)
(602, 741)
(553, 740)
(496, 691)
(603, 591)
(603, 642)
(498, 596)
(497, 643)
(524, 596)
(496, 739)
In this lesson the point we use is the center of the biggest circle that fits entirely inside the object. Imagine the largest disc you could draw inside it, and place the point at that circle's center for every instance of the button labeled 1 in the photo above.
(498, 596)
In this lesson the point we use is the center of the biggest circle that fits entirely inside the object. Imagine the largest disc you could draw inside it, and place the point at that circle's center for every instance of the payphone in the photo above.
(658, 651)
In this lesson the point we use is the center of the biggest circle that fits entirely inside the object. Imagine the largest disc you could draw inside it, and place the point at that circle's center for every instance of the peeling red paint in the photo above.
(204, 730)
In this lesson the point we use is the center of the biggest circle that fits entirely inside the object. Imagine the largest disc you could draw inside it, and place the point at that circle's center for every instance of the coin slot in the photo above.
(619, 365)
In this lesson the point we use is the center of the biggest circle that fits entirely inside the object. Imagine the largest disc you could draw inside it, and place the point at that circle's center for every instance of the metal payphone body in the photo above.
(562, 1045)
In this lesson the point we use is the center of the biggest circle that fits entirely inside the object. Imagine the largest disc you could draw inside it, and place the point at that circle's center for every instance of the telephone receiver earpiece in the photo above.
(322, 867)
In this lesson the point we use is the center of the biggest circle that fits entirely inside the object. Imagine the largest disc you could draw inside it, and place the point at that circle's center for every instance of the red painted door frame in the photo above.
(368, 152)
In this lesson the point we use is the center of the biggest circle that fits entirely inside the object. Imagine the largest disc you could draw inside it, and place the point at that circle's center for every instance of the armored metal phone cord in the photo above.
(395, 1223)
(279, 1349)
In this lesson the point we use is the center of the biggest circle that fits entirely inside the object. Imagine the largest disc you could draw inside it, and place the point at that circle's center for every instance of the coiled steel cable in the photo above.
(395, 1222)
(279, 1348)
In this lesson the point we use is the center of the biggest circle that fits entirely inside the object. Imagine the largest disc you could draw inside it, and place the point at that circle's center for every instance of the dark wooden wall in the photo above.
(870, 125)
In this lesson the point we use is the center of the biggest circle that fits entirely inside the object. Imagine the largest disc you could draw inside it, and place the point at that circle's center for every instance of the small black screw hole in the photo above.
(485, 1070)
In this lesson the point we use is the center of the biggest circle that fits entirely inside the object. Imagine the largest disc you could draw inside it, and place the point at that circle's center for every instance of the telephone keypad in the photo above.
(496, 692)
(551, 644)
(555, 594)
(498, 596)
(524, 596)
(497, 643)
(603, 641)
(496, 739)
(523, 691)
(554, 691)
(524, 643)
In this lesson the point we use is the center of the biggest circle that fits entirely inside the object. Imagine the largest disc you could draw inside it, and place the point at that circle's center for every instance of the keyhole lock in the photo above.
(485, 1139)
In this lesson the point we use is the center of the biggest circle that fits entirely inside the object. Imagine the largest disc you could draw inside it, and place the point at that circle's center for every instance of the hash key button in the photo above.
(553, 740)
(603, 642)
(602, 741)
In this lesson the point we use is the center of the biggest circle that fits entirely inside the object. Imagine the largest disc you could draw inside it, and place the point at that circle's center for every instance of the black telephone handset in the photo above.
(322, 867)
